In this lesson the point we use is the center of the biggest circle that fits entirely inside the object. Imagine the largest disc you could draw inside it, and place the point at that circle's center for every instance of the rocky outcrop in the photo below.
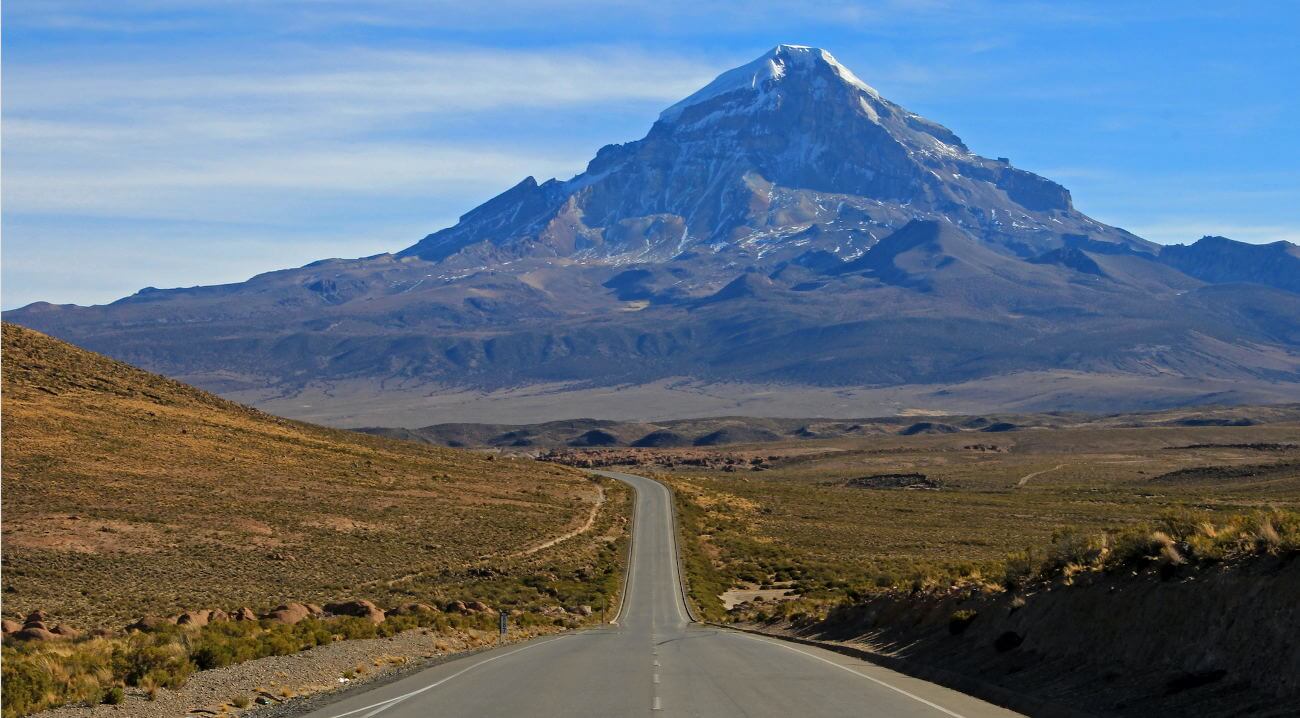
(36, 633)
(152, 623)
(194, 618)
(413, 609)
(359, 608)
(289, 613)
(37, 627)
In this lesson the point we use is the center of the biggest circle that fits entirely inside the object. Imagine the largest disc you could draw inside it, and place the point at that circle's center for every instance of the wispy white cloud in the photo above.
(200, 187)
(148, 139)
(364, 82)
(278, 158)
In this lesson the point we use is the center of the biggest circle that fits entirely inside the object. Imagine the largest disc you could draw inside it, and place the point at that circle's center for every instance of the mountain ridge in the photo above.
(785, 225)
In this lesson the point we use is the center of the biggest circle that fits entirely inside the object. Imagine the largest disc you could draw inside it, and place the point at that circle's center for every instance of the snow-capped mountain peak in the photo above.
(756, 78)
(787, 142)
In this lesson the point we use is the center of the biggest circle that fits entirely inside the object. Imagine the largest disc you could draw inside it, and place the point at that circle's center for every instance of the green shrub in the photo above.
(26, 685)
(960, 620)
(152, 660)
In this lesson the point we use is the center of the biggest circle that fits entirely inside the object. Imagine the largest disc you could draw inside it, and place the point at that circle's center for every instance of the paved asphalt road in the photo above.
(655, 662)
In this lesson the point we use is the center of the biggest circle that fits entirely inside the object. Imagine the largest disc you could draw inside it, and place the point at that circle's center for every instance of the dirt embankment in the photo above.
(1219, 642)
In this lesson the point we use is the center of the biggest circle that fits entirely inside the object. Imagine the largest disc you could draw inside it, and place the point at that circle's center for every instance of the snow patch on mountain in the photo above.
(761, 75)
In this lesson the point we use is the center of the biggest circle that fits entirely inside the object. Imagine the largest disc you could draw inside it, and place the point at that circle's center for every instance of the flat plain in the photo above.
(842, 518)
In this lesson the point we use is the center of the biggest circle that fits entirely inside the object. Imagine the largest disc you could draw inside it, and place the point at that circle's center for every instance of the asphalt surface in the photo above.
(654, 661)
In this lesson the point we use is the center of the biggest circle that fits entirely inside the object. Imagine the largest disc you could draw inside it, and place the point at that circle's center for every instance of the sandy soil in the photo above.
(737, 596)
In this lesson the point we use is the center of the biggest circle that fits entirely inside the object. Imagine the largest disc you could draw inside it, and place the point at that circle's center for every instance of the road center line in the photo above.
(842, 667)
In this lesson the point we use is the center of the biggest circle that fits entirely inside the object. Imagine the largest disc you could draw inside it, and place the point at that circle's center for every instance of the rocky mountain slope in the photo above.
(784, 226)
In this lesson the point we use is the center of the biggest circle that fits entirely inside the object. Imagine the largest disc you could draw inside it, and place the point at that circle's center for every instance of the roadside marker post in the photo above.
(503, 622)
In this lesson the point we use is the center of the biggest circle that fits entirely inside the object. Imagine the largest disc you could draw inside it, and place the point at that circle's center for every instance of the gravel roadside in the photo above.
(281, 686)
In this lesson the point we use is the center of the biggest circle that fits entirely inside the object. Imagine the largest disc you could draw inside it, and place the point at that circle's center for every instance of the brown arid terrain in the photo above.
(1138, 570)
(891, 508)
(128, 496)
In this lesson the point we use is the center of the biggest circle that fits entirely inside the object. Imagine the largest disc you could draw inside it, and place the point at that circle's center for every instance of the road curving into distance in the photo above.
(653, 660)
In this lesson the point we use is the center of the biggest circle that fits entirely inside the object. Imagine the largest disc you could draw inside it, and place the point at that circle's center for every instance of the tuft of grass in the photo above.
(960, 620)
(1175, 539)
(114, 696)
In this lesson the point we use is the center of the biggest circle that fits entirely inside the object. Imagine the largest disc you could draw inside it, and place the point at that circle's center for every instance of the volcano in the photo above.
(785, 241)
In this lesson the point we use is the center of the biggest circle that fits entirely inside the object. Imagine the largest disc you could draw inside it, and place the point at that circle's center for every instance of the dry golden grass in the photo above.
(127, 494)
(799, 520)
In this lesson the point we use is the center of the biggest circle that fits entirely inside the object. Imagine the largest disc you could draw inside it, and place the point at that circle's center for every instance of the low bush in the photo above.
(37, 676)
(1181, 538)
(960, 621)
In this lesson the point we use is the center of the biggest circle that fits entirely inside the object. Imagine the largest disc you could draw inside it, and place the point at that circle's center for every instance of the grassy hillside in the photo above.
(130, 495)
(127, 494)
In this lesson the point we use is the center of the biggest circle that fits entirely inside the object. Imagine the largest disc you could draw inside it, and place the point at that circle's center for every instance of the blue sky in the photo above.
(180, 142)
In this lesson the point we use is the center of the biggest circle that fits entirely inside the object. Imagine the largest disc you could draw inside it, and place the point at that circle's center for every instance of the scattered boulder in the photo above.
(480, 607)
(194, 618)
(457, 607)
(10, 626)
(244, 614)
(315, 610)
(65, 631)
(893, 481)
(360, 609)
(288, 614)
(217, 615)
(37, 617)
(151, 623)
(35, 633)
(411, 609)
(583, 610)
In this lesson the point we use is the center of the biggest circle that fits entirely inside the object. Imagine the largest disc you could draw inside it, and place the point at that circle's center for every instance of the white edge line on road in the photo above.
(385, 705)
(631, 543)
(842, 667)
(680, 600)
